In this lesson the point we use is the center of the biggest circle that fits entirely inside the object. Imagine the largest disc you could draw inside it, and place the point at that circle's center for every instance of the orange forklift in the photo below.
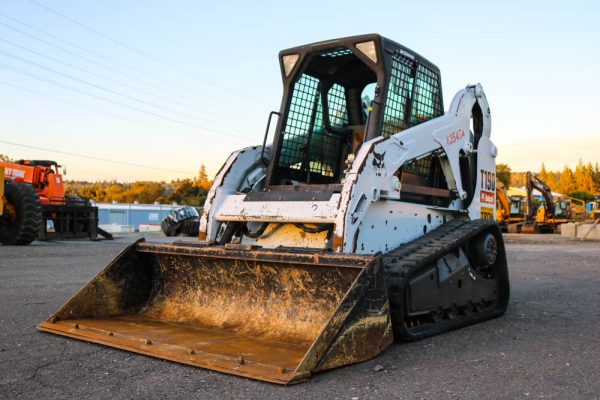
(72, 217)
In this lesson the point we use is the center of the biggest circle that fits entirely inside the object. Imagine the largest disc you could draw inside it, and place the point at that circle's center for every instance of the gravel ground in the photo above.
(546, 346)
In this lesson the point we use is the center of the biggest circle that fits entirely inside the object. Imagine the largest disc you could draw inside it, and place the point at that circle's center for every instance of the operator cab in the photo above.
(517, 207)
(52, 165)
(562, 208)
(339, 94)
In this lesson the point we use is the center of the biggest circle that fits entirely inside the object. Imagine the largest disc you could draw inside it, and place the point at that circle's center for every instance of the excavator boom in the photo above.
(544, 219)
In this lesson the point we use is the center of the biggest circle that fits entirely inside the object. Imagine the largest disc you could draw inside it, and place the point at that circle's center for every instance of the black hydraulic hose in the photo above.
(257, 234)
(317, 229)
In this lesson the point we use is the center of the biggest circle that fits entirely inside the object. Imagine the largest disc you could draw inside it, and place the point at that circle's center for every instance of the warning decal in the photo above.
(487, 197)
(487, 213)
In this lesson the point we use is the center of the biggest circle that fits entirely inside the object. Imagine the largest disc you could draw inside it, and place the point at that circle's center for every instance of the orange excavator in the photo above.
(72, 217)
(510, 210)
(502, 206)
(544, 218)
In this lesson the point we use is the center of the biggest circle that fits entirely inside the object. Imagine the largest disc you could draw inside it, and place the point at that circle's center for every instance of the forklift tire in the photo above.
(170, 227)
(190, 227)
(177, 222)
(22, 215)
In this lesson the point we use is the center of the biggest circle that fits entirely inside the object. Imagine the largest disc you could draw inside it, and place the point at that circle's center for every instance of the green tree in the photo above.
(543, 174)
(5, 158)
(566, 183)
(503, 174)
(187, 192)
(596, 178)
(202, 175)
(146, 192)
(202, 180)
(517, 179)
(582, 177)
(582, 195)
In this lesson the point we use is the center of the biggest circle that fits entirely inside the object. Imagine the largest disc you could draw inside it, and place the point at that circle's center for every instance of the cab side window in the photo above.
(414, 95)
(427, 101)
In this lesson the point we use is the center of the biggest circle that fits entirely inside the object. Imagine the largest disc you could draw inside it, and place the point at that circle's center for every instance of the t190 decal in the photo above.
(488, 180)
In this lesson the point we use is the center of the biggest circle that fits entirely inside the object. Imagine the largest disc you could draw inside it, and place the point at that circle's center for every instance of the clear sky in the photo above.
(174, 84)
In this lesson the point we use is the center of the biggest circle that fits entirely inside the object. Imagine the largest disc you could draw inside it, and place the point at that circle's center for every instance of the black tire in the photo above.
(22, 215)
(170, 227)
(190, 227)
(172, 224)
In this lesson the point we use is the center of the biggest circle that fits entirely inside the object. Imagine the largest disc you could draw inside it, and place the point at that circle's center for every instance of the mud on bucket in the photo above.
(274, 315)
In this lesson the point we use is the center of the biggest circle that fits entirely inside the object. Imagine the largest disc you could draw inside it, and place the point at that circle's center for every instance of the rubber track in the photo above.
(407, 261)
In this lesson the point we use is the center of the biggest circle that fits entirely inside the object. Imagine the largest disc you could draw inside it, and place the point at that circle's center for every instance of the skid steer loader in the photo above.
(366, 221)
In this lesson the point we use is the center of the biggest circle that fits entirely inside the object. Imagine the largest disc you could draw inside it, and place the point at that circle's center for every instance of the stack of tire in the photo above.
(182, 221)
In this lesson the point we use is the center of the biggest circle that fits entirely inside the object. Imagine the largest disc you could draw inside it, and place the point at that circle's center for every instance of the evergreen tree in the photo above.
(566, 182)
(503, 174)
(583, 177)
(543, 174)
(595, 172)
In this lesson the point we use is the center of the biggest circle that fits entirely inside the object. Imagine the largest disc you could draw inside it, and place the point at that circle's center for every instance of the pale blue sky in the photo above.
(214, 65)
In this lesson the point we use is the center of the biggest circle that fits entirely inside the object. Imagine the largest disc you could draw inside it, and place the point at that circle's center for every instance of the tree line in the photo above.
(582, 182)
(191, 192)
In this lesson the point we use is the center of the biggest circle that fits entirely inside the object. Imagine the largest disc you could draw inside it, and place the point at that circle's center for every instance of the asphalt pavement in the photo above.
(547, 345)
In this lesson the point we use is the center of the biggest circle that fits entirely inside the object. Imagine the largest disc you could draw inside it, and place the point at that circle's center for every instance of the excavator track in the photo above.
(441, 281)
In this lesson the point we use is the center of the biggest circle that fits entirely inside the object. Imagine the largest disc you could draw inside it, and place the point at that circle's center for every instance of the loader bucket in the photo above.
(273, 315)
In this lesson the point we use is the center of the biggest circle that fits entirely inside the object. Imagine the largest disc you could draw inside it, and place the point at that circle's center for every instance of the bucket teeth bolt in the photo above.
(241, 360)
(191, 352)
(76, 326)
(148, 342)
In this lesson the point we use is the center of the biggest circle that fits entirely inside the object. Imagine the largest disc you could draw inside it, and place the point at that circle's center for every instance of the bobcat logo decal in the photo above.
(378, 161)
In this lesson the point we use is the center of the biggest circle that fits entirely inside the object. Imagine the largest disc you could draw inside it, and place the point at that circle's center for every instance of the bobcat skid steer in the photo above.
(369, 219)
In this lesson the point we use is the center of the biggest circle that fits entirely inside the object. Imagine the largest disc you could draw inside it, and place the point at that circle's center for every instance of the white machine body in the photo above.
(369, 214)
